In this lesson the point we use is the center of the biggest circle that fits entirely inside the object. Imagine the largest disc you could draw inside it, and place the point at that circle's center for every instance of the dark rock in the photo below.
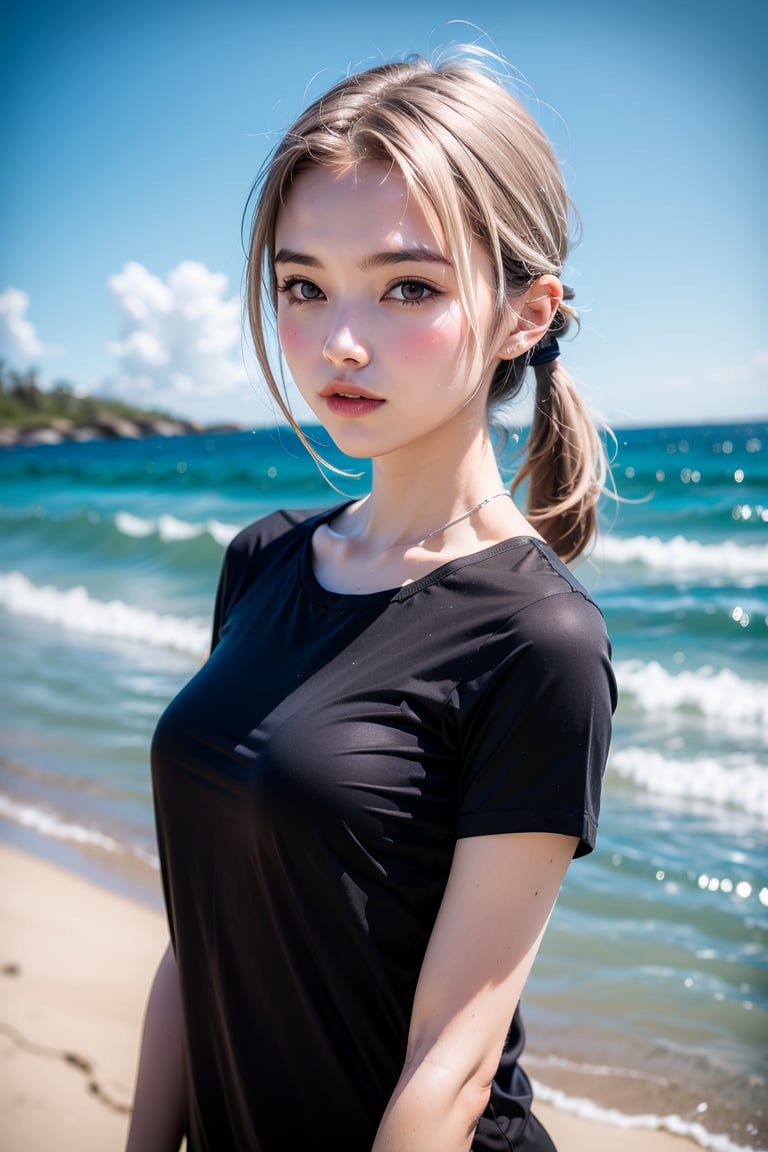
(105, 426)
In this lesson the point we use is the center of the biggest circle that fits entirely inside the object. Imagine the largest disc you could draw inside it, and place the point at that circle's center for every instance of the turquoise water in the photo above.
(649, 999)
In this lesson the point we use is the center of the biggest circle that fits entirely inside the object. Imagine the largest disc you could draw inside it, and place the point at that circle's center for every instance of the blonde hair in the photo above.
(484, 172)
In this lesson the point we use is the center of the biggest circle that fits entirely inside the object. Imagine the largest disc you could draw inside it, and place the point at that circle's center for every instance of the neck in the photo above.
(414, 495)
(421, 513)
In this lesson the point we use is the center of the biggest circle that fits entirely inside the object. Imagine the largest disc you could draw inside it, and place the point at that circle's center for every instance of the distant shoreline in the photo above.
(105, 427)
(108, 426)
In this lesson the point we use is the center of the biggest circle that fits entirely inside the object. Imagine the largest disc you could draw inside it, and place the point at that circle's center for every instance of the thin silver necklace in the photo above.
(456, 519)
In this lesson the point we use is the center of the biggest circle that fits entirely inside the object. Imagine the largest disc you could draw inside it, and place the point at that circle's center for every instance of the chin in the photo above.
(354, 443)
(355, 451)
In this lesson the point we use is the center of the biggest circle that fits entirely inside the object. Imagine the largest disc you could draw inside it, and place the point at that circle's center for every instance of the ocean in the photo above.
(648, 1004)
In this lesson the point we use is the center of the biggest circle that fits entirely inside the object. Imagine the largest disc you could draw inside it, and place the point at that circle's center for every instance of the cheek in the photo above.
(294, 339)
(424, 343)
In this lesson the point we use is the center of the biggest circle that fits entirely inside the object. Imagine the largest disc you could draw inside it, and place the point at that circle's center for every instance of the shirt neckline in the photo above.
(351, 600)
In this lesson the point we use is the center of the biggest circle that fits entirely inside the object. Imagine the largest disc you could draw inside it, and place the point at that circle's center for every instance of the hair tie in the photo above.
(544, 353)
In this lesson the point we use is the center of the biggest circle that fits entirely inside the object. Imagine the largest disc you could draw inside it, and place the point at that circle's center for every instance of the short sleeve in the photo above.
(536, 723)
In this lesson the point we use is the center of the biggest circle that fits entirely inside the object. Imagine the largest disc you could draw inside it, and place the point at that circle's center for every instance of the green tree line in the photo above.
(24, 402)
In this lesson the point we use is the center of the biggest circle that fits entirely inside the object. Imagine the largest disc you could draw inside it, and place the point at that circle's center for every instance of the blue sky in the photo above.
(131, 135)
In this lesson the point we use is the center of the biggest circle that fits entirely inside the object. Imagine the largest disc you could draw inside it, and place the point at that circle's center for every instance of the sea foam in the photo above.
(680, 554)
(649, 1121)
(47, 823)
(76, 610)
(736, 779)
(720, 695)
(171, 528)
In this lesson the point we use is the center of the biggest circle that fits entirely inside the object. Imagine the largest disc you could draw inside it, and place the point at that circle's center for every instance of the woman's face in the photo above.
(369, 316)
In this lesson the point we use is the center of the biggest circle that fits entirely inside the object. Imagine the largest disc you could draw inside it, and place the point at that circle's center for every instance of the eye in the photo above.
(299, 290)
(412, 291)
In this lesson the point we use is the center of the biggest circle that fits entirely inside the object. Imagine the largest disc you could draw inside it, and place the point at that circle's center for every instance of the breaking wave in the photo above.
(720, 695)
(735, 779)
(682, 555)
(74, 609)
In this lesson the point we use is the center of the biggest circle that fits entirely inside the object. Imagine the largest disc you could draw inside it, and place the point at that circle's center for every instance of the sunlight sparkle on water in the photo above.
(739, 616)
(743, 889)
(747, 512)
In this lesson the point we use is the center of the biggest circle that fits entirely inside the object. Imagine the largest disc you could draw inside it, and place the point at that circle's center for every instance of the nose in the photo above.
(344, 345)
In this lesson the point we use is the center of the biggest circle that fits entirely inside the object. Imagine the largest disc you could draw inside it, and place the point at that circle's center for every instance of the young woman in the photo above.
(368, 796)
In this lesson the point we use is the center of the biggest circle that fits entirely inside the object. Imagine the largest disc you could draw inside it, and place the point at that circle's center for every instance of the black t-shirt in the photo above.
(310, 784)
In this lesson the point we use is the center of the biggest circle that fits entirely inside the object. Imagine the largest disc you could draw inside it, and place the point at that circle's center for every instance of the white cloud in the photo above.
(181, 337)
(19, 341)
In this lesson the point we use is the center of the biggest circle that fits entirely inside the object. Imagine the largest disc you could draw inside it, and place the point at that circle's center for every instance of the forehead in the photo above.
(370, 198)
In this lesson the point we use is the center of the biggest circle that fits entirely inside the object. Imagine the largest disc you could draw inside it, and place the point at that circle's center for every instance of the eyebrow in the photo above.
(370, 263)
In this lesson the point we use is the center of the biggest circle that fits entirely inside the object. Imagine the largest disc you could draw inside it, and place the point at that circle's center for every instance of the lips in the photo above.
(344, 398)
(347, 391)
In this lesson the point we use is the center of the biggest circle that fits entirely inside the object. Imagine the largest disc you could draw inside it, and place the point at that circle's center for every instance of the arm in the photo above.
(500, 895)
(157, 1122)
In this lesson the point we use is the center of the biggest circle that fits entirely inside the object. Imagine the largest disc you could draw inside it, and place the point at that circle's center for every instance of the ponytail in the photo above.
(565, 464)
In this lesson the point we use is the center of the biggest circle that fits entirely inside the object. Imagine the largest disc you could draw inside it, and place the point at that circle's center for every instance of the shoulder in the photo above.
(533, 569)
(267, 541)
(268, 535)
(252, 542)
(548, 631)
(522, 586)
(264, 531)
(560, 614)
(553, 606)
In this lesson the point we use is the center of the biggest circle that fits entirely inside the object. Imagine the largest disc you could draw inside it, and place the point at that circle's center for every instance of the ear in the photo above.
(529, 316)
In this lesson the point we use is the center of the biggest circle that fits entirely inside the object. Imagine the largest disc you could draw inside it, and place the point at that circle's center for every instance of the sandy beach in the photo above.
(75, 966)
